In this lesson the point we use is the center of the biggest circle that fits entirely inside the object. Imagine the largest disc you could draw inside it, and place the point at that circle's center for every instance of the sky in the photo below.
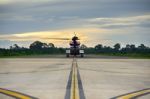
(95, 21)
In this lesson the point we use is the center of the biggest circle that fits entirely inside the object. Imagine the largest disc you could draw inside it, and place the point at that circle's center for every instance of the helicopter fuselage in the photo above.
(74, 48)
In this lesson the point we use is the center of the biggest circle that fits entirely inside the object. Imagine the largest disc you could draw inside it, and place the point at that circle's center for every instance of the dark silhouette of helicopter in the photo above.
(74, 49)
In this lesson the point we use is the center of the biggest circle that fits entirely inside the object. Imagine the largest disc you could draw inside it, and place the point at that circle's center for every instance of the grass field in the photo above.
(116, 55)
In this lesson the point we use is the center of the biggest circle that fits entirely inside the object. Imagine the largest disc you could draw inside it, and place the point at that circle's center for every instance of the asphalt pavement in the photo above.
(78, 78)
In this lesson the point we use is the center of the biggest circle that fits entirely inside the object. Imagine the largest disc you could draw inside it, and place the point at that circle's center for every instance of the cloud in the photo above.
(88, 36)
(16, 18)
(121, 22)
(7, 43)
(85, 35)
(115, 20)
(4, 2)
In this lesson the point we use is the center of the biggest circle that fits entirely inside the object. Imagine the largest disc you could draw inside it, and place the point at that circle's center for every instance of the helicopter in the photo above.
(74, 49)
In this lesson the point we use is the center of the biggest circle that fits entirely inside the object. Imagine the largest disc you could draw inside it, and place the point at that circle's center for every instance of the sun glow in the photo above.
(84, 35)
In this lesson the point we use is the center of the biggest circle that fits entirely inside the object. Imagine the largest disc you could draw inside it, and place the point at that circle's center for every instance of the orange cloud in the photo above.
(86, 36)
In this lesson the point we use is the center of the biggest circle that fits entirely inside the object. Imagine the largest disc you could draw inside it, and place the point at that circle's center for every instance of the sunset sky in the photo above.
(95, 21)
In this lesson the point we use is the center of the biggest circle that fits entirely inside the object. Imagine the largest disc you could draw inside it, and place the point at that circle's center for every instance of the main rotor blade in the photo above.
(57, 38)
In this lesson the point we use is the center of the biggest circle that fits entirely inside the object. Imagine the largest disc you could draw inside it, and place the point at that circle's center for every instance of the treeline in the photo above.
(40, 48)
(36, 48)
(129, 50)
(117, 49)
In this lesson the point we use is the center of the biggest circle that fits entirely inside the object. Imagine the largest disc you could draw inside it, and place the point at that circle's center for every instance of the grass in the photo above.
(130, 55)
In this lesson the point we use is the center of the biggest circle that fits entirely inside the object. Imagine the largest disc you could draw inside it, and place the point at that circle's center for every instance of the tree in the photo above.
(37, 45)
(15, 46)
(83, 46)
(51, 45)
(142, 46)
(107, 49)
(44, 45)
(117, 46)
(127, 46)
(132, 46)
(98, 47)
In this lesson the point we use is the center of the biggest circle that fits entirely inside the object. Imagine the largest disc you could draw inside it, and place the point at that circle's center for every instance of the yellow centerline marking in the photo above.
(74, 83)
(14, 94)
(135, 94)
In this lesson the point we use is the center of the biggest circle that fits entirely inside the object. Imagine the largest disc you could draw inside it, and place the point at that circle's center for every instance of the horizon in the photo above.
(121, 46)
